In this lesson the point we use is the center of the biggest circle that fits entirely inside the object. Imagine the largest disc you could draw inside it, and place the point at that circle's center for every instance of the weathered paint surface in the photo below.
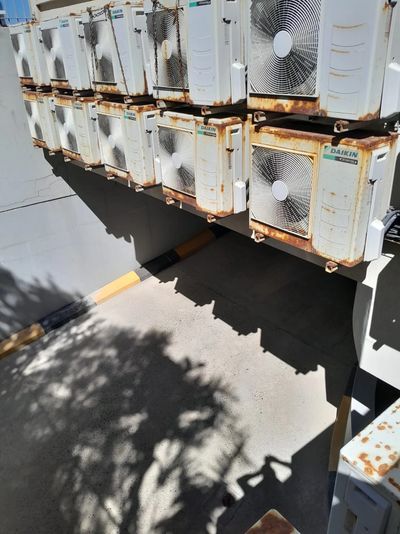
(375, 452)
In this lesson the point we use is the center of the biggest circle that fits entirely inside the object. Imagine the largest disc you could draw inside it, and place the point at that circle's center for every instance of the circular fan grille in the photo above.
(53, 53)
(177, 155)
(281, 189)
(284, 46)
(35, 128)
(66, 128)
(171, 58)
(112, 141)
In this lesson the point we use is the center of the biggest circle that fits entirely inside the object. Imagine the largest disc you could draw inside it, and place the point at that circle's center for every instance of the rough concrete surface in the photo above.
(214, 384)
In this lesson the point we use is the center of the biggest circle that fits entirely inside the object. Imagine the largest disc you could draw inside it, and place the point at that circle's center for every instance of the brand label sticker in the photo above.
(64, 23)
(131, 115)
(117, 14)
(207, 130)
(199, 3)
(343, 155)
(77, 105)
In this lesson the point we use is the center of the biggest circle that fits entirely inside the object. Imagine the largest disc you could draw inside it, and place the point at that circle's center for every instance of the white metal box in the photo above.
(165, 49)
(126, 141)
(318, 57)
(28, 53)
(367, 489)
(216, 52)
(204, 165)
(319, 194)
(76, 121)
(65, 53)
(41, 119)
(114, 44)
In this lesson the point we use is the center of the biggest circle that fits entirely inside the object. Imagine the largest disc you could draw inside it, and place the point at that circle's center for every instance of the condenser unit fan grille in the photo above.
(177, 159)
(281, 189)
(53, 51)
(100, 51)
(33, 120)
(284, 47)
(19, 47)
(168, 49)
(111, 141)
(66, 128)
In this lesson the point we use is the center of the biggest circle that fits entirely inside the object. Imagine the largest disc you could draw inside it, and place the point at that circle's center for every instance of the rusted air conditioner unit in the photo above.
(320, 57)
(41, 119)
(114, 45)
(319, 195)
(204, 165)
(65, 53)
(28, 53)
(166, 49)
(125, 136)
(76, 122)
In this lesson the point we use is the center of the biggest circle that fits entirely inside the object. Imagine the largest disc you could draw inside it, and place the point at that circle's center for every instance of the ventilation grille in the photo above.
(177, 160)
(284, 47)
(111, 141)
(32, 112)
(66, 128)
(99, 46)
(167, 57)
(281, 190)
(53, 52)
(20, 54)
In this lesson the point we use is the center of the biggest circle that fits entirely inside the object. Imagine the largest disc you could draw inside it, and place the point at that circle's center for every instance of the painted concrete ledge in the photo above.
(71, 311)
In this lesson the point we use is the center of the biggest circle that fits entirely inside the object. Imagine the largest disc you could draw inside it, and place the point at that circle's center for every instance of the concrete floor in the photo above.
(220, 375)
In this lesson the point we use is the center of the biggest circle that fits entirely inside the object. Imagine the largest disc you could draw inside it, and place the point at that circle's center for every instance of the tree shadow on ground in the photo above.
(97, 421)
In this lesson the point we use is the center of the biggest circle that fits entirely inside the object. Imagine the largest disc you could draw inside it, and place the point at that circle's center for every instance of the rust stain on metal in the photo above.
(365, 440)
(106, 88)
(383, 469)
(272, 523)
(279, 105)
(388, 447)
(26, 80)
(353, 27)
(393, 457)
(186, 199)
(39, 143)
(60, 84)
(70, 154)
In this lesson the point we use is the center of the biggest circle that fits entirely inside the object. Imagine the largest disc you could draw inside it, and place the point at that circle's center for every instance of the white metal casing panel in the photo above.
(216, 64)
(41, 76)
(140, 154)
(351, 185)
(48, 121)
(367, 490)
(65, 53)
(85, 120)
(118, 34)
(21, 39)
(166, 71)
(357, 74)
(354, 56)
(220, 166)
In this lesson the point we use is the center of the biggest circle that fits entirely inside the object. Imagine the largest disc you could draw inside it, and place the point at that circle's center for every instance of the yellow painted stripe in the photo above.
(339, 432)
(20, 339)
(114, 288)
(195, 244)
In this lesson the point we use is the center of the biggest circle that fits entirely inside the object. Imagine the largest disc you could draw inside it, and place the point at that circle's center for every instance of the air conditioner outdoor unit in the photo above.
(204, 165)
(28, 53)
(325, 196)
(216, 52)
(367, 489)
(41, 119)
(318, 57)
(125, 141)
(65, 53)
(165, 49)
(114, 44)
(76, 121)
